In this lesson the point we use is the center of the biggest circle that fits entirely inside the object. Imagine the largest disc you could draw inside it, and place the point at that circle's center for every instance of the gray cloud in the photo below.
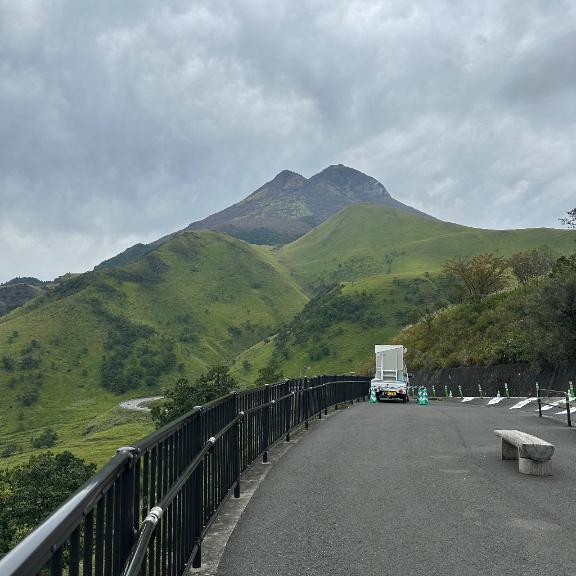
(123, 121)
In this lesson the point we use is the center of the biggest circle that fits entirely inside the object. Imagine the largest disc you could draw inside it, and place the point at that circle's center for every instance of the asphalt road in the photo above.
(407, 490)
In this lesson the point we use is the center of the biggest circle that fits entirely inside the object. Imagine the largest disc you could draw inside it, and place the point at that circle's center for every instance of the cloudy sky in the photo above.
(123, 120)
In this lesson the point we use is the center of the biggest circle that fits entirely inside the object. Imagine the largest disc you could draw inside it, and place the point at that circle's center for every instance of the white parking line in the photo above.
(468, 399)
(552, 405)
(564, 411)
(523, 403)
(495, 400)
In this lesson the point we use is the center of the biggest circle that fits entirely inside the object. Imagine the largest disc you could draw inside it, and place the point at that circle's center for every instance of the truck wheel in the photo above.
(404, 399)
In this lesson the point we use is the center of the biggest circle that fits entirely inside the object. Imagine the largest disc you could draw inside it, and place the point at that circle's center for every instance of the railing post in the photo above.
(198, 493)
(126, 516)
(568, 415)
(306, 399)
(539, 407)
(237, 448)
(289, 420)
(266, 424)
(325, 398)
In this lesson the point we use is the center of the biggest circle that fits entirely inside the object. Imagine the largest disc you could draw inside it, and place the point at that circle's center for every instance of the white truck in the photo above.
(391, 380)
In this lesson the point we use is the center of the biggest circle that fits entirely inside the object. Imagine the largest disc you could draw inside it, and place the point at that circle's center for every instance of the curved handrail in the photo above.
(134, 562)
(96, 526)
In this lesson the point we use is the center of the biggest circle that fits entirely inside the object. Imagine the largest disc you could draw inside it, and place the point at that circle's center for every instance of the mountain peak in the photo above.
(286, 174)
(355, 185)
(285, 179)
(289, 206)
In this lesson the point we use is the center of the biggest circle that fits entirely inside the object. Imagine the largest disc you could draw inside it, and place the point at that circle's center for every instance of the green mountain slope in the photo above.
(365, 239)
(533, 323)
(68, 357)
(395, 259)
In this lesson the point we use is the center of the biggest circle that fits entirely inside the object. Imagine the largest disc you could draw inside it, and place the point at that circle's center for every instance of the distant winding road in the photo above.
(139, 403)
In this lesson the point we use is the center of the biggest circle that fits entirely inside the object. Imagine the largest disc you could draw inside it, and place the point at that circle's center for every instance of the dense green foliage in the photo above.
(269, 374)
(535, 322)
(184, 396)
(46, 439)
(531, 264)
(31, 492)
(478, 276)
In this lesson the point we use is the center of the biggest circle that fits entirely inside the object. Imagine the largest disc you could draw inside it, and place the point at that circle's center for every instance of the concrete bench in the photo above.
(533, 454)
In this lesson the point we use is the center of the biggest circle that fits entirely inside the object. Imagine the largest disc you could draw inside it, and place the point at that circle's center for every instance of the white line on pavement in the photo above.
(564, 411)
(523, 403)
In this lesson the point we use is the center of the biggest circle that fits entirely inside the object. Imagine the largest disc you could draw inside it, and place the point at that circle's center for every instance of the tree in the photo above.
(478, 276)
(570, 219)
(551, 318)
(268, 375)
(31, 492)
(217, 382)
(531, 264)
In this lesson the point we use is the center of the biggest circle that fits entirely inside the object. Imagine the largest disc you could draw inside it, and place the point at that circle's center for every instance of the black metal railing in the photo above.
(555, 399)
(147, 510)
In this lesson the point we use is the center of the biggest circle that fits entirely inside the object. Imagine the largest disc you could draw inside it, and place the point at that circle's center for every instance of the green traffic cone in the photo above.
(373, 399)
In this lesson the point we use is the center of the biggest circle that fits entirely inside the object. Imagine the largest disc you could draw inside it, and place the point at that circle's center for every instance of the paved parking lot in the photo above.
(408, 490)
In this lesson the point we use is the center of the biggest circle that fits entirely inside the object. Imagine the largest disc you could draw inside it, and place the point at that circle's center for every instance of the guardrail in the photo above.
(561, 398)
(148, 509)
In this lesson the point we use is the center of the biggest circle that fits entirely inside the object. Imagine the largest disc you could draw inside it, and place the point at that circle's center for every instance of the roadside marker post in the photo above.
(460, 390)
(506, 391)
(480, 390)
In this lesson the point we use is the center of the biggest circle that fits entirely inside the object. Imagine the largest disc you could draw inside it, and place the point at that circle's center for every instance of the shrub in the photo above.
(46, 440)
(215, 383)
(8, 449)
(8, 363)
(28, 398)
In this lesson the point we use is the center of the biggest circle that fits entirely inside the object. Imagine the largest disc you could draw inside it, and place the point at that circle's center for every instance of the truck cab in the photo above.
(391, 379)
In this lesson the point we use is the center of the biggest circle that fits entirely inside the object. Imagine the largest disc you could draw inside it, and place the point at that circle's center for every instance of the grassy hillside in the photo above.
(393, 257)
(337, 330)
(365, 240)
(69, 357)
(533, 323)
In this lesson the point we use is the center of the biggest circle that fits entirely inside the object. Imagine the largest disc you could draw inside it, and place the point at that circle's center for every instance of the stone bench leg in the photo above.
(509, 451)
(527, 466)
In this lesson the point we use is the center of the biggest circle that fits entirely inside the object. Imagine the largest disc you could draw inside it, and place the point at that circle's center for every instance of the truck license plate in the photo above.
(391, 393)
